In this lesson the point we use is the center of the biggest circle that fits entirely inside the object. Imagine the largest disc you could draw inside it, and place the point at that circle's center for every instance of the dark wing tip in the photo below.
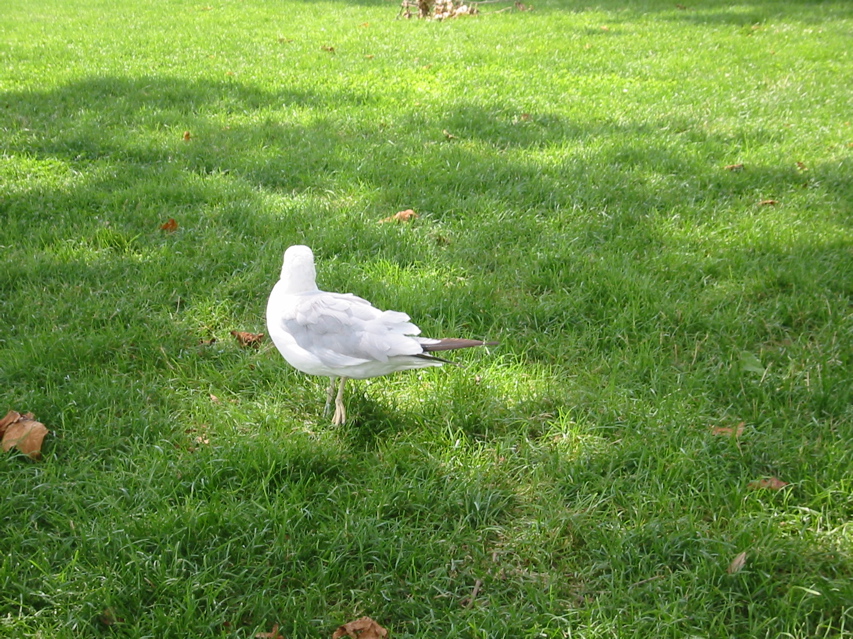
(454, 343)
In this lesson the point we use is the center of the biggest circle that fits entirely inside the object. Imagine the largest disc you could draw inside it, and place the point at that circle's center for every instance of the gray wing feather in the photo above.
(345, 330)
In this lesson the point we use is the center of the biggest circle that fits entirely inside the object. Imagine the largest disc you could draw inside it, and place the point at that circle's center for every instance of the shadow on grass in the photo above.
(136, 128)
(126, 163)
(125, 136)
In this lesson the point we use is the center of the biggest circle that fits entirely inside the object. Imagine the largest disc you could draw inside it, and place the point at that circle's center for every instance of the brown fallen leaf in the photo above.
(729, 431)
(198, 437)
(737, 563)
(170, 225)
(22, 432)
(207, 342)
(272, 634)
(769, 483)
(187, 136)
(802, 167)
(401, 216)
(768, 203)
(364, 25)
(328, 49)
(448, 134)
(364, 628)
(109, 617)
(11, 416)
(734, 167)
(248, 339)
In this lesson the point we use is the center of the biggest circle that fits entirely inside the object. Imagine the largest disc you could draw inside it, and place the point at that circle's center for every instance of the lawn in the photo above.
(650, 206)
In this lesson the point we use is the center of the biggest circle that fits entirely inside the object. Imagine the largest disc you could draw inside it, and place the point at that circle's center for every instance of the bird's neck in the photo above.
(299, 280)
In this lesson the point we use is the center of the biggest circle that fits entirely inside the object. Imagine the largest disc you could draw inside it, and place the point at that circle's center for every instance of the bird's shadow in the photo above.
(466, 406)
(369, 422)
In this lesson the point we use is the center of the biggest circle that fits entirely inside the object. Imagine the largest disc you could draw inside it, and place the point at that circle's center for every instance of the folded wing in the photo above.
(345, 330)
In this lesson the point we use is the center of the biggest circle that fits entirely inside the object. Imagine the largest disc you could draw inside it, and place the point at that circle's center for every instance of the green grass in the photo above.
(581, 214)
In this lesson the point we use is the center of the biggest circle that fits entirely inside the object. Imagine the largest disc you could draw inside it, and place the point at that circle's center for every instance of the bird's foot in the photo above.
(340, 416)
(340, 411)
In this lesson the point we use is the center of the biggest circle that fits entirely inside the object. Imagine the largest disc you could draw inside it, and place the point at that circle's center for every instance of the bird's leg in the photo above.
(340, 412)
(330, 395)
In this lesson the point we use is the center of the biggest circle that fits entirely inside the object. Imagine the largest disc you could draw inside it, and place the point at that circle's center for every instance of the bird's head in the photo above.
(297, 272)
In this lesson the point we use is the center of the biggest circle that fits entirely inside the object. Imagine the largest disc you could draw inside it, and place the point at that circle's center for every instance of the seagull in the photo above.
(341, 336)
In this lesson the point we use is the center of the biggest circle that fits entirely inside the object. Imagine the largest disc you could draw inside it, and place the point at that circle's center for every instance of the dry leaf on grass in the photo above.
(768, 203)
(109, 617)
(170, 225)
(734, 167)
(769, 483)
(402, 216)
(445, 9)
(248, 339)
(187, 136)
(729, 431)
(22, 432)
(364, 628)
(272, 634)
(199, 437)
(737, 563)
(11, 417)
(328, 49)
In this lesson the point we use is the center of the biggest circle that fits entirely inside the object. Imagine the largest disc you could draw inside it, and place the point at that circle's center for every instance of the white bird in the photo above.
(339, 335)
